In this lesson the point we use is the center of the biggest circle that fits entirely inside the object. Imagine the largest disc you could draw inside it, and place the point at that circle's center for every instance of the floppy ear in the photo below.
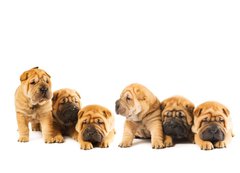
(80, 114)
(25, 74)
(162, 106)
(140, 94)
(77, 127)
(55, 96)
(107, 113)
(197, 112)
(78, 94)
(226, 111)
(190, 108)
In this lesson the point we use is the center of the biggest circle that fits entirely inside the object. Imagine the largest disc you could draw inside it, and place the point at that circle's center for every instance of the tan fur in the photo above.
(91, 115)
(212, 111)
(142, 111)
(31, 107)
(60, 97)
(173, 104)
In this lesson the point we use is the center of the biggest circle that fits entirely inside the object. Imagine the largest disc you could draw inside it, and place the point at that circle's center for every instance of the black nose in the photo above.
(117, 105)
(43, 90)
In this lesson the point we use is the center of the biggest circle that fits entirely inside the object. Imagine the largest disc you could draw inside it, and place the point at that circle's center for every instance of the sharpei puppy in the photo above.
(66, 104)
(143, 116)
(33, 104)
(177, 117)
(212, 126)
(95, 127)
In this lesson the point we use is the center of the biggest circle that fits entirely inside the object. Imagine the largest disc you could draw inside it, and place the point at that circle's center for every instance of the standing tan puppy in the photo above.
(33, 104)
(95, 127)
(177, 117)
(66, 104)
(212, 126)
(143, 116)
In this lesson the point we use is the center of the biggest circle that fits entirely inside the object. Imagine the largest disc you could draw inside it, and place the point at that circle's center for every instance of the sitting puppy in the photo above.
(66, 104)
(33, 104)
(143, 119)
(212, 126)
(95, 127)
(177, 117)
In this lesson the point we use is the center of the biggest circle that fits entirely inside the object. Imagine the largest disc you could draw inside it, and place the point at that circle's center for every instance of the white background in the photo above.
(188, 48)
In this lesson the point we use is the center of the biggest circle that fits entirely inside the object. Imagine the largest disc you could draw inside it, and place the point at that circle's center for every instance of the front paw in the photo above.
(104, 144)
(125, 144)
(49, 140)
(58, 139)
(86, 145)
(23, 139)
(220, 144)
(168, 142)
(206, 145)
(157, 144)
(75, 136)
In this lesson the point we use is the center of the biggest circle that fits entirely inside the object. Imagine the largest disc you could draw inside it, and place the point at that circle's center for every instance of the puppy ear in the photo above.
(197, 112)
(25, 74)
(226, 111)
(55, 96)
(78, 94)
(162, 106)
(140, 94)
(77, 127)
(107, 113)
(190, 108)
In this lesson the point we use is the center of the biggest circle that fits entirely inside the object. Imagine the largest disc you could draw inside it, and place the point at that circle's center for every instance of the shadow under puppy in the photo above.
(177, 117)
(66, 105)
(143, 116)
(212, 126)
(33, 104)
(95, 127)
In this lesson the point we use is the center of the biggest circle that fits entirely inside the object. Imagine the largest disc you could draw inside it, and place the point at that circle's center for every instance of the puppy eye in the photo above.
(33, 82)
(99, 121)
(128, 98)
(84, 122)
(181, 114)
(169, 114)
(205, 120)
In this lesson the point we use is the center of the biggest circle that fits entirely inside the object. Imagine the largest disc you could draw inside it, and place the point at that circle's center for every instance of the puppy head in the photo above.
(66, 104)
(177, 116)
(36, 85)
(211, 121)
(94, 123)
(134, 99)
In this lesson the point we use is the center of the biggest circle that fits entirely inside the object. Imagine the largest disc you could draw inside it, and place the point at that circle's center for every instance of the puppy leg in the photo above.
(84, 145)
(108, 139)
(204, 145)
(130, 129)
(223, 144)
(47, 127)
(35, 126)
(156, 131)
(168, 141)
(22, 128)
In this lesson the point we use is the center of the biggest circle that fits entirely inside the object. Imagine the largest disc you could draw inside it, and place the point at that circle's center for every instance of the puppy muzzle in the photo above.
(68, 114)
(212, 133)
(176, 129)
(91, 134)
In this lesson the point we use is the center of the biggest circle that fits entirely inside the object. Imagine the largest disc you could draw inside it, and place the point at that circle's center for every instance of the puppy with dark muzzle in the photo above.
(95, 127)
(177, 117)
(212, 126)
(66, 104)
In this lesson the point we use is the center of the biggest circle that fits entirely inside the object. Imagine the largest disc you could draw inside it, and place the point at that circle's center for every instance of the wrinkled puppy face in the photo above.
(66, 104)
(177, 117)
(133, 100)
(211, 122)
(36, 85)
(93, 124)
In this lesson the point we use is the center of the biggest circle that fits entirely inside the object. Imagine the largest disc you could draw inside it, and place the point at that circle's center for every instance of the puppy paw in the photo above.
(75, 137)
(220, 144)
(58, 139)
(86, 146)
(206, 145)
(23, 139)
(104, 144)
(125, 144)
(168, 142)
(49, 140)
(157, 144)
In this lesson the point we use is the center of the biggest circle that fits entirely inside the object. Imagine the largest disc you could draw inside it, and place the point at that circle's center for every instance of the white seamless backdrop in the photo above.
(188, 48)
